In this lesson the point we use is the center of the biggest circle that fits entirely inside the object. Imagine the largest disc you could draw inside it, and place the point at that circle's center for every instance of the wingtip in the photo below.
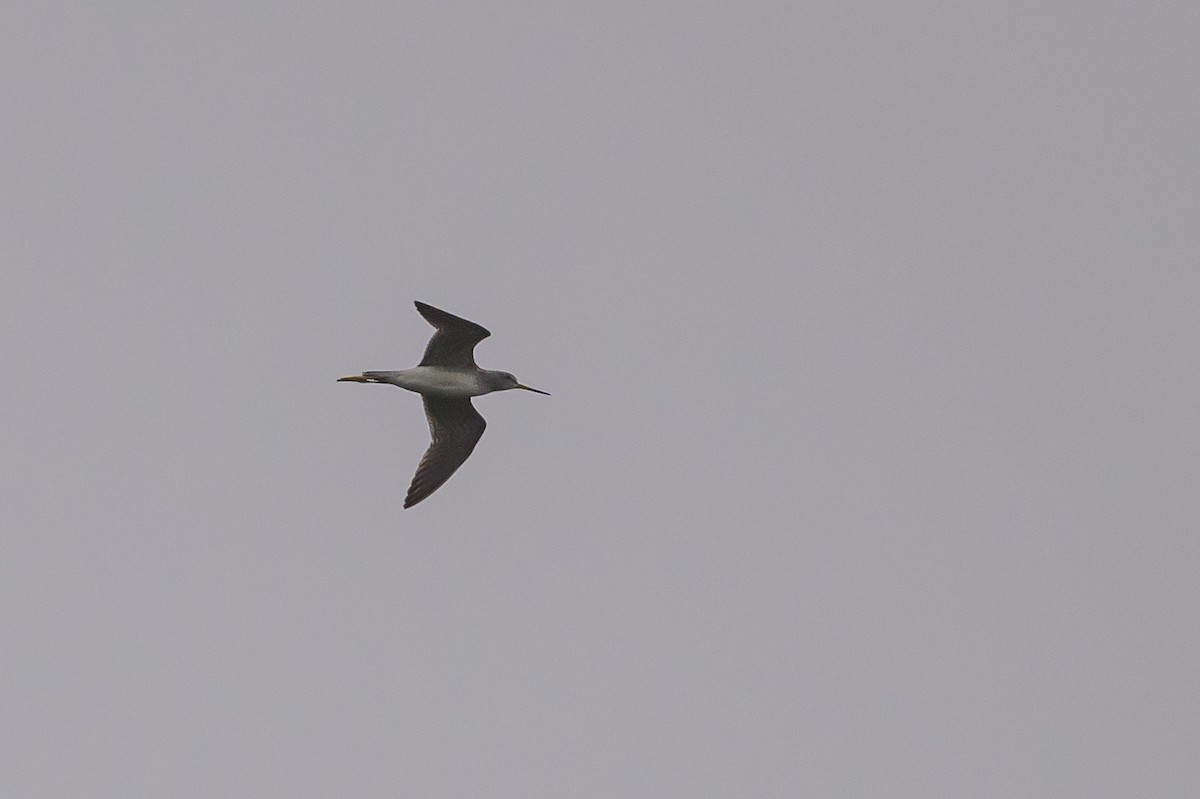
(430, 312)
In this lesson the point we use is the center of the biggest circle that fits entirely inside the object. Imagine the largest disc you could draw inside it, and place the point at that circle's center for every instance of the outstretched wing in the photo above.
(455, 427)
(454, 342)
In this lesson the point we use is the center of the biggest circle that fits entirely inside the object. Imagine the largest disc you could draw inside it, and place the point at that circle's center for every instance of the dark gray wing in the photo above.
(454, 342)
(455, 427)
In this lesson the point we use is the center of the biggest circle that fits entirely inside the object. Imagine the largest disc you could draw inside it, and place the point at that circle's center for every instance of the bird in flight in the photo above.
(446, 379)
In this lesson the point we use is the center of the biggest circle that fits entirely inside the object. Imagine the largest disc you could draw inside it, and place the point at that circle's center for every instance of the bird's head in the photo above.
(504, 381)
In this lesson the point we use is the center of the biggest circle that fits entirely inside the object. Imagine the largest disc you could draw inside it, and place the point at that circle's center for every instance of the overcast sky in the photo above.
(870, 468)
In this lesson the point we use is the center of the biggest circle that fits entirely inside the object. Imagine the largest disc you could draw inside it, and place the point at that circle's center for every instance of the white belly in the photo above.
(439, 381)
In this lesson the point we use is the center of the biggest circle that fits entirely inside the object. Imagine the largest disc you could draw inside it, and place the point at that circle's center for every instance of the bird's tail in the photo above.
(368, 377)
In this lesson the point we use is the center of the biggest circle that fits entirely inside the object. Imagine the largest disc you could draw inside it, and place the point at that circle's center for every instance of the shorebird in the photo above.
(446, 379)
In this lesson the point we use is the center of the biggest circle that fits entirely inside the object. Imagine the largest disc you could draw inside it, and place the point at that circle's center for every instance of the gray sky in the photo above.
(870, 469)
